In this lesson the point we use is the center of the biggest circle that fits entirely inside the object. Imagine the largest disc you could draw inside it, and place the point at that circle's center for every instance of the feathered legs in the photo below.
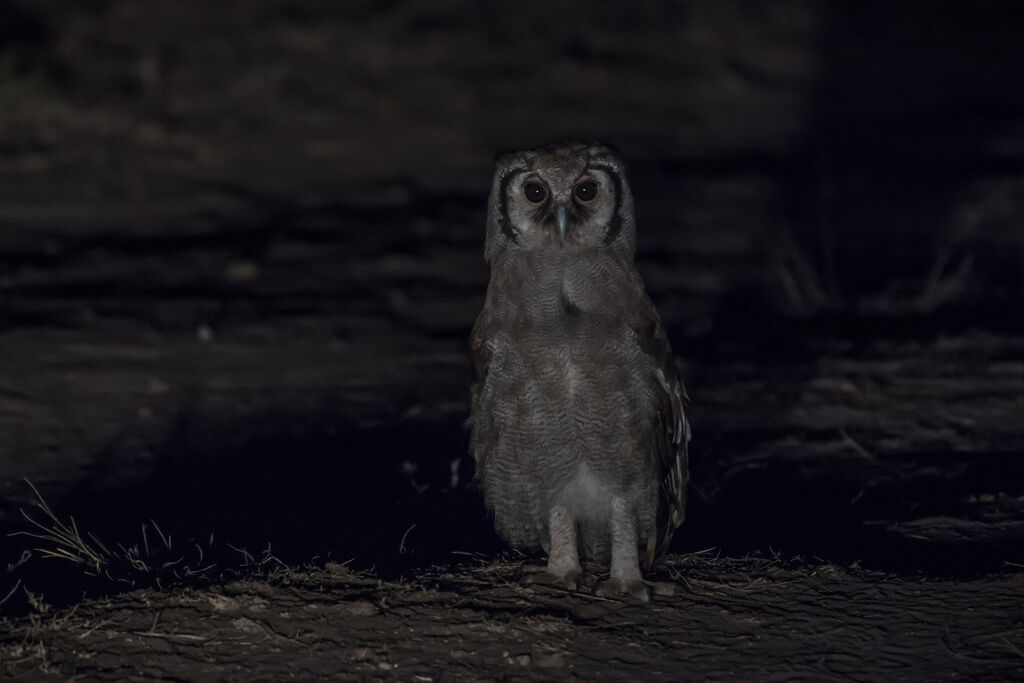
(563, 555)
(563, 560)
(625, 565)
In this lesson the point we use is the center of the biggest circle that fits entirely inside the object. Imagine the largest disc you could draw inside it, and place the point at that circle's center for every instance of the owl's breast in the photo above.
(595, 374)
(553, 289)
(562, 341)
(579, 289)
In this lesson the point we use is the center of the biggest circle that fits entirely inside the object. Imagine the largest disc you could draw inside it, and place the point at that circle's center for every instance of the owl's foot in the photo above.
(563, 557)
(625, 576)
(618, 588)
(546, 577)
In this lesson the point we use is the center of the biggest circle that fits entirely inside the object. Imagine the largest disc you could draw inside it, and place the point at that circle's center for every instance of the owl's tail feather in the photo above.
(649, 556)
(658, 543)
(672, 446)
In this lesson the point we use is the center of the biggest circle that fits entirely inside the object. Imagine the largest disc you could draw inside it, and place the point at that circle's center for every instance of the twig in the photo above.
(166, 539)
(100, 624)
(274, 634)
(849, 441)
(249, 559)
(401, 546)
(11, 592)
(183, 636)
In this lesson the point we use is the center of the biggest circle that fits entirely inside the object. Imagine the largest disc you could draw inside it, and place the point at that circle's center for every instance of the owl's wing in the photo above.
(480, 361)
(671, 431)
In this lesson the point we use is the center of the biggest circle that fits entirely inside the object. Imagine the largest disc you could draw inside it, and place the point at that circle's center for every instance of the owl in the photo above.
(577, 421)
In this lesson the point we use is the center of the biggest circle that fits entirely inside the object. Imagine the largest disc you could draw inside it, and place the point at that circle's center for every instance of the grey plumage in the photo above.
(577, 417)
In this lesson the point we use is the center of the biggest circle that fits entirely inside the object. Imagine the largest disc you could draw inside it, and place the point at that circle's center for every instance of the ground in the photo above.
(741, 619)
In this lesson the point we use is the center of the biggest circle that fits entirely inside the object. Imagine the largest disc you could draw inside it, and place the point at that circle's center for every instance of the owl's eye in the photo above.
(534, 191)
(586, 190)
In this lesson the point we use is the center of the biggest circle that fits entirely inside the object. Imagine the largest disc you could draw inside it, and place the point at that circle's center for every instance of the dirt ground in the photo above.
(729, 619)
(238, 271)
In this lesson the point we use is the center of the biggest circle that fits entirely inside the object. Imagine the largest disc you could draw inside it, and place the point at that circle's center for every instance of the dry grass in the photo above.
(63, 540)
(152, 561)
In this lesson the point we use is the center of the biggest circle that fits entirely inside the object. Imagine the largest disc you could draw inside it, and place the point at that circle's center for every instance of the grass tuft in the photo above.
(64, 540)
(152, 561)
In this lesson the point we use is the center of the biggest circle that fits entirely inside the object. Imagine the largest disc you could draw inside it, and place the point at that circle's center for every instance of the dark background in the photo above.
(240, 254)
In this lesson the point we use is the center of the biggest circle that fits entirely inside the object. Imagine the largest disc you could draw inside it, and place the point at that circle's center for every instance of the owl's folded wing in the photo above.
(480, 361)
(671, 432)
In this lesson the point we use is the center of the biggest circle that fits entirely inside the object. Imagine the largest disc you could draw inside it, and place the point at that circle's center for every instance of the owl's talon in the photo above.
(543, 577)
(569, 579)
(662, 588)
(618, 588)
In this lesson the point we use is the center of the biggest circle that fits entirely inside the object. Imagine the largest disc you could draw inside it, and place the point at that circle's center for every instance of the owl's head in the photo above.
(560, 197)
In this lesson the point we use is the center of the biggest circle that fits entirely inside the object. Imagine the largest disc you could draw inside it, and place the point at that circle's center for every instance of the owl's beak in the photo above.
(560, 218)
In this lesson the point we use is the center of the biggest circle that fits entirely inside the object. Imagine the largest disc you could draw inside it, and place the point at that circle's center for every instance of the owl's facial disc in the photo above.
(563, 199)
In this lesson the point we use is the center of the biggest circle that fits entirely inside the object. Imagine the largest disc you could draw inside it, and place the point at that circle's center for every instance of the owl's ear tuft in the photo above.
(499, 228)
(621, 233)
(605, 151)
(504, 158)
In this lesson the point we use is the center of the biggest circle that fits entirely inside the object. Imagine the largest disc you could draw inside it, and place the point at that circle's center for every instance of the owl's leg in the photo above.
(625, 565)
(563, 559)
